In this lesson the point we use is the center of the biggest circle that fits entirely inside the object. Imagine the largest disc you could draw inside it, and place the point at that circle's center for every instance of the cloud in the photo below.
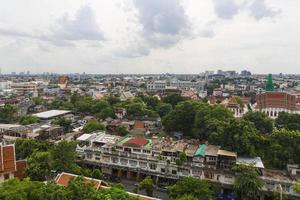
(82, 27)
(259, 10)
(66, 30)
(226, 9)
(164, 23)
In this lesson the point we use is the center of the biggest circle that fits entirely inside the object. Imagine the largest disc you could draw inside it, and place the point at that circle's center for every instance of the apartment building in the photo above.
(167, 160)
(182, 85)
(25, 88)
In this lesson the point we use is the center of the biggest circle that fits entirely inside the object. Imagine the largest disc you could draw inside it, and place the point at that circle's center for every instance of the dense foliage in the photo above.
(247, 183)
(92, 126)
(28, 119)
(76, 190)
(190, 188)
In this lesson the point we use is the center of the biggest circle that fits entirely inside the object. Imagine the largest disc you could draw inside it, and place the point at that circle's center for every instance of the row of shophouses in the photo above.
(167, 160)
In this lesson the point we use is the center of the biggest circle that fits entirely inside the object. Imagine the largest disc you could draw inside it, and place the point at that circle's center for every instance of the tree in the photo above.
(80, 190)
(173, 99)
(288, 121)
(261, 121)
(25, 147)
(97, 174)
(52, 191)
(187, 197)
(63, 122)
(28, 119)
(190, 186)
(39, 166)
(247, 177)
(64, 156)
(122, 131)
(163, 109)
(210, 119)
(114, 193)
(147, 185)
(92, 126)
(8, 114)
(181, 118)
(296, 187)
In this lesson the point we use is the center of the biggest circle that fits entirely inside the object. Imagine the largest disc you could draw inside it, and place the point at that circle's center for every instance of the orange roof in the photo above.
(139, 124)
(64, 179)
(137, 142)
(7, 159)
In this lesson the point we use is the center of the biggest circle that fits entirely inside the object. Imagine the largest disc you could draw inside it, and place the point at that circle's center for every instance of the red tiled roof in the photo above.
(64, 179)
(137, 142)
(7, 159)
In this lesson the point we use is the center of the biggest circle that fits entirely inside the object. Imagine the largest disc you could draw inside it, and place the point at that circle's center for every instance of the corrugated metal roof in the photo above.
(201, 150)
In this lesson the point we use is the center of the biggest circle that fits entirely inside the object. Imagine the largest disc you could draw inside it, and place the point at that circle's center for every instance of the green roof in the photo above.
(201, 150)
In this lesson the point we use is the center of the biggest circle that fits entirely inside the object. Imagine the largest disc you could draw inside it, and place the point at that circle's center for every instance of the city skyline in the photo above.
(145, 37)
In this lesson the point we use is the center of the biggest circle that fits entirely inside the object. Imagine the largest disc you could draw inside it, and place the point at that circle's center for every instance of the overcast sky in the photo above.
(149, 36)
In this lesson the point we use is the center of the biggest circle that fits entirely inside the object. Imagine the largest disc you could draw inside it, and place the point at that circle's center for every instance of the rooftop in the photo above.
(51, 113)
(257, 162)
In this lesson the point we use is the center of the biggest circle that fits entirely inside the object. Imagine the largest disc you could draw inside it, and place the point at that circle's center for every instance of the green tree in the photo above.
(238, 135)
(63, 122)
(187, 197)
(181, 118)
(163, 109)
(28, 119)
(261, 121)
(147, 185)
(97, 174)
(173, 99)
(190, 186)
(288, 121)
(39, 166)
(78, 189)
(247, 177)
(296, 187)
(25, 147)
(64, 156)
(210, 119)
(52, 191)
(8, 114)
(114, 193)
(122, 131)
(92, 126)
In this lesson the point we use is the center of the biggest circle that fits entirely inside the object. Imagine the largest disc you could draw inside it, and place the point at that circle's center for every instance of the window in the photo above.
(152, 166)
(132, 162)
(146, 151)
(143, 164)
(162, 170)
(115, 160)
(136, 150)
(97, 158)
(174, 172)
(89, 156)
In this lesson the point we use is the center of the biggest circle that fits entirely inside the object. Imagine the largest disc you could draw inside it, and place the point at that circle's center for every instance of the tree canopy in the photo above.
(247, 183)
(92, 126)
(192, 187)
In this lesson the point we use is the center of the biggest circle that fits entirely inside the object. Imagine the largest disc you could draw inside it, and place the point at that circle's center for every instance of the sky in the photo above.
(149, 36)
